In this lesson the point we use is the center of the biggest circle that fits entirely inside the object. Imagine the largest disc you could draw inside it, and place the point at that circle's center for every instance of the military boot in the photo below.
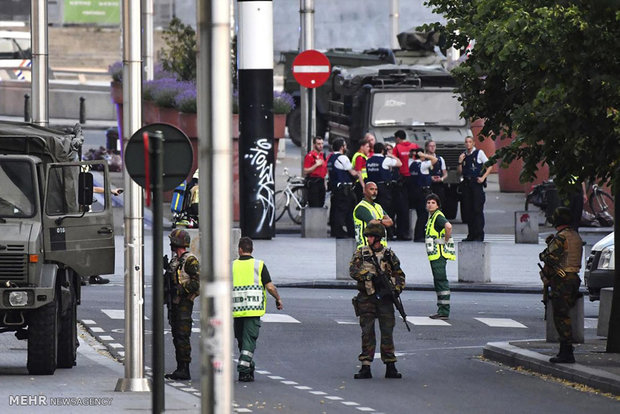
(565, 356)
(364, 373)
(391, 371)
(181, 373)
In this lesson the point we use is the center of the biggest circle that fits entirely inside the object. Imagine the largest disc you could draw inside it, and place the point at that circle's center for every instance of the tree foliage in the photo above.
(179, 55)
(546, 70)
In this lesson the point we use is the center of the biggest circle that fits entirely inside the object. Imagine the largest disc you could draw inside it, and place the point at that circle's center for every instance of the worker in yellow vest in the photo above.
(366, 212)
(251, 282)
(440, 249)
(359, 164)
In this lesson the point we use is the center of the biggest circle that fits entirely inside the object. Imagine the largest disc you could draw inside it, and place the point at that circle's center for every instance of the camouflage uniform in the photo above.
(562, 259)
(186, 286)
(370, 305)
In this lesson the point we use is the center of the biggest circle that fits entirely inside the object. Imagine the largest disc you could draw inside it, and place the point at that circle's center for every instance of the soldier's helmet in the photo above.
(179, 238)
(374, 229)
(561, 216)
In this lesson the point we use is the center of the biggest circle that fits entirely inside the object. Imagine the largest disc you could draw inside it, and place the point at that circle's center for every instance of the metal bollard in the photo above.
(26, 108)
(82, 110)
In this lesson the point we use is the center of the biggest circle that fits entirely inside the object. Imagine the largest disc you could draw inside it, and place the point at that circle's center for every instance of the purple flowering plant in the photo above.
(185, 101)
(116, 71)
(283, 103)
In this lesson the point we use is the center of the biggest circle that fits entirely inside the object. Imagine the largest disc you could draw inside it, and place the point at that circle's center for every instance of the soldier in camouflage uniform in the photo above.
(370, 305)
(184, 271)
(562, 259)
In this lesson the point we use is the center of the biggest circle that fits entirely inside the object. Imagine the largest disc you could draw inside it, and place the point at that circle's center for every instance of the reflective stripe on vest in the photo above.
(433, 249)
(249, 296)
(354, 159)
(377, 213)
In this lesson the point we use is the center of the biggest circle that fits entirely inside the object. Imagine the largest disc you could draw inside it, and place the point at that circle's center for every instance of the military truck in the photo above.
(51, 235)
(416, 48)
(417, 99)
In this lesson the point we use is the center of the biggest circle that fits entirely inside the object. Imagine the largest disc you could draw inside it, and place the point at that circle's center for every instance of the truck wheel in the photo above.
(293, 122)
(67, 336)
(43, 339)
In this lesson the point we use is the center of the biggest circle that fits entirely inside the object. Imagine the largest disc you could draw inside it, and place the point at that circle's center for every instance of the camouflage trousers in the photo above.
(246, 333)
(564, 293)
(371, 308)
(180, 319)
(442, 286)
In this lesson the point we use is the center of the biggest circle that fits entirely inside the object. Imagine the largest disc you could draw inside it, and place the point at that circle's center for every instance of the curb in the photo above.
(454, 287)
(514, 356)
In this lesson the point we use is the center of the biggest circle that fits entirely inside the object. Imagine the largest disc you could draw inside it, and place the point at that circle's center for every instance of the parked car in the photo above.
(600, 267)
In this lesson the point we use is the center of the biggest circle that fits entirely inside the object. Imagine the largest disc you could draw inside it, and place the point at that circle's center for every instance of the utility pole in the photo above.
(394, 16)
(147, 37)
(134, 379)
(215, 208)
(256, 148)
(40, 57)
(307, 96)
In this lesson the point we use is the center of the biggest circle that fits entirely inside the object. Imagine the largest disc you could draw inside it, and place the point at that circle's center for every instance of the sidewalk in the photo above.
(89, 385)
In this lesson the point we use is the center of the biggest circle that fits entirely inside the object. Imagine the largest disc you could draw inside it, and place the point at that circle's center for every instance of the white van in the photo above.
(15, 54)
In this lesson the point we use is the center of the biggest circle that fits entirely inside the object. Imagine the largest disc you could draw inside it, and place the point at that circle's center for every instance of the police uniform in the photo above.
(473, 196)
(342, 198)
(185, 271)
(379, 170)
(562, 259)
(420, 187)
(250, 276)
(438, 254)
(371, 306)
(438, 187)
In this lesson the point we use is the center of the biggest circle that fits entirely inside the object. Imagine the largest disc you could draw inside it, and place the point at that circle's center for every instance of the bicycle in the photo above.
(295, 191)
(597, 200)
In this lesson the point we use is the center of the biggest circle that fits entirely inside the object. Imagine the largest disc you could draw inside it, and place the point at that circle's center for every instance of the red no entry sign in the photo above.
(311, 68)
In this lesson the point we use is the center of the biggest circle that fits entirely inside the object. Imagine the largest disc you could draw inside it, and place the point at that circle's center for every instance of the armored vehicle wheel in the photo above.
(293, 122)
(43, 339)
(67, 336)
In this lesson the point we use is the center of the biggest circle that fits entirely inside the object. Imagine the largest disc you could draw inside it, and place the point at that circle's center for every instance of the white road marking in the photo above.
(263, 372)
(378, 354)
(96, 329)
(501, 323)
(106, 338)
(346, 322)
(333, 397)
(116, 345)
(318, 393)
(278, 318)
(289, 382)
(88, 322)
(590, 323)
(275, 377)
(303, 387)
(116, 313)
(349, 403)
(242, 410)
(367, 409)
(426, 321)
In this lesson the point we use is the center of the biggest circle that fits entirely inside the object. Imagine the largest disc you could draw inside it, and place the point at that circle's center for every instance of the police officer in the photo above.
(366, 212)
(439, 172)
(562, 259)
(420, 166)
(359, 164)
(341, 174)
(471, 163)
(251, 281)
(184, 271)
(380, 167)
(440, 249)
(403, 201)
(371, 305)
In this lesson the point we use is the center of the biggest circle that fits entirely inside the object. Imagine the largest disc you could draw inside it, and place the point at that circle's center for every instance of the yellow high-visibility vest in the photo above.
(360, 154)
(434, 249)
(377, 213)
(249, 295)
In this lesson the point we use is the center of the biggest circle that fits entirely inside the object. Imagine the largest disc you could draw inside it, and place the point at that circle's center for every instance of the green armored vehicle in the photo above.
(51, 235)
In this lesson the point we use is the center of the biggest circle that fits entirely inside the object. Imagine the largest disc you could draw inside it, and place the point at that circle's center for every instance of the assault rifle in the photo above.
(545, 280)
(385, 288)
(167, 282)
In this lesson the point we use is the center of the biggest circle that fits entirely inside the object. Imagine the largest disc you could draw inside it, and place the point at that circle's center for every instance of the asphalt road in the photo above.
(307, 355)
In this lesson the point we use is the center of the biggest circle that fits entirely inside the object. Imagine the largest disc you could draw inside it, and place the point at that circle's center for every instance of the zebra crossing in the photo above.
(119, 314)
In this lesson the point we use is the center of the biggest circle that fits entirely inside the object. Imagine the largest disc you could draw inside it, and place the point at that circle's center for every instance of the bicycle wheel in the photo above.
(297, 204)
(281, 201)
(599, 201)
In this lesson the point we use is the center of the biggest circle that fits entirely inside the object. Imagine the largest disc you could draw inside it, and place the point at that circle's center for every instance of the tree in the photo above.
(547, 70)
(179, 55)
